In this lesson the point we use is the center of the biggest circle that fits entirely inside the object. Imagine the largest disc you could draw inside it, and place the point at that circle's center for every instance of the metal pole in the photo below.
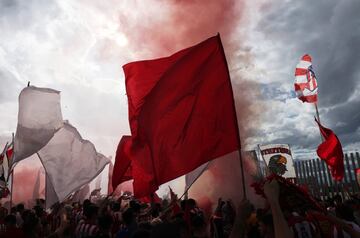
(242, 172)
(317, 113)
(318, 119)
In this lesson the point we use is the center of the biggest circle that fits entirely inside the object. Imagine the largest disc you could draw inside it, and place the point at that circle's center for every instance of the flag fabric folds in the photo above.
(305, 80)
(38, 119)
(70, 161)
(331, 152)
(122, 166)
(181, 113)
(51, 196)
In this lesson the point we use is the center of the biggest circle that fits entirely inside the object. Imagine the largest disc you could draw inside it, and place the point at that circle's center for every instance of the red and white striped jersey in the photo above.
(305, 81)
(85, 229)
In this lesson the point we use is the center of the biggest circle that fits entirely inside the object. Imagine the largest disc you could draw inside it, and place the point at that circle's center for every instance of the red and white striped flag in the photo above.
(305, 81)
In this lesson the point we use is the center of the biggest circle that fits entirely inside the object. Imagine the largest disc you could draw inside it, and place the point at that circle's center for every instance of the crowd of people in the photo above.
(126, 217)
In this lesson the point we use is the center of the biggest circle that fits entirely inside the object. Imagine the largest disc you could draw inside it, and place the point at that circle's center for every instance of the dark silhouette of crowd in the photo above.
(126, 217)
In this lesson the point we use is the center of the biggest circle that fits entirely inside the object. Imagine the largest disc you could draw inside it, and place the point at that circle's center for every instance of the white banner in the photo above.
(38, 119)
(278, 159)
(70, 161)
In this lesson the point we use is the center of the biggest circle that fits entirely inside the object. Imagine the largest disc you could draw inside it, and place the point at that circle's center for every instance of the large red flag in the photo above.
(331, 152)
(181, 113)
(122, 166)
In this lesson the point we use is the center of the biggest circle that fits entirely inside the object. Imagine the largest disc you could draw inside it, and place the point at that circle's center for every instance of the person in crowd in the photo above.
(129, 225)
(105, 223)
(31, 224)
(346, 214)
(3, 214)
(11, 230)
(117, 217)
(88, 227)
(19, 211)
(108, 218)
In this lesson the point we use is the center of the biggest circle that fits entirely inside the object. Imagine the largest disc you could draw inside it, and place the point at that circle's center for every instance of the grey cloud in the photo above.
(19, 15)
(9, 86)
(330, 32)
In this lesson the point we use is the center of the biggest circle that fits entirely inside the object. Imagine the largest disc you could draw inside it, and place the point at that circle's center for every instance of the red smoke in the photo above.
(178, 24)
(223, 179)
(25, 176)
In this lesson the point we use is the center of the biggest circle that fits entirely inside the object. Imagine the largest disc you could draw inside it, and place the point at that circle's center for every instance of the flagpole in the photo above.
(318, 118)
(237, 124)
(317, 112)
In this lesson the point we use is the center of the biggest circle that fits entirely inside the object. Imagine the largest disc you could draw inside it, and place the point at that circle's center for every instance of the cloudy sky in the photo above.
(78, 47)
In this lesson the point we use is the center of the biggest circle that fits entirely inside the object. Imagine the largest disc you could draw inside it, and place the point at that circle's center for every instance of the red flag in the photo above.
(122, 166)
(331, 151)
(181, 113)
(174, 202)
(9, 153)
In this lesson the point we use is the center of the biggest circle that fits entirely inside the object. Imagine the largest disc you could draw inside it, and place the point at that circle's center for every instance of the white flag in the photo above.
(278, 159)
(70, 162)
(50, 195)
(38, 119)
(191, 177)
